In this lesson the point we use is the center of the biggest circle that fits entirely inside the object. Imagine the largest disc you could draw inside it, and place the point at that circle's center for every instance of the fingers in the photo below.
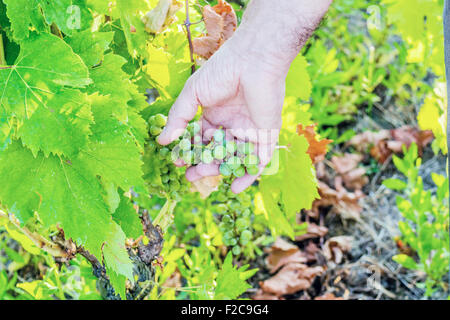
(201, 171)
(183, 111)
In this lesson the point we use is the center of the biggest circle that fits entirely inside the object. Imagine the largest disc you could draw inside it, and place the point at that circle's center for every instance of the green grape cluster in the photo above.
(235, 159)
(167, 180)
(236, 214)
(164, 178)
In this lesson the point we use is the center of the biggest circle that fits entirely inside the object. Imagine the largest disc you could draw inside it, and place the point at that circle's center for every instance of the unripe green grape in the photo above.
(236, 250)
(252, 170)
(163, 152)
(207, 156)
(174, 185)
(246, 213)
(160, 120)
(173, 175)
(198, 140)
(233, 242)
(185, 144)
(219, 136)
(154, 130)
(231, 147)
(219, 152)
(151, 146)
(234, 163)
(226, 218)
(239, 172)
(165, 178)
(193, 128)
(225, 170)
(251, 159)
(221, 208)
(164, 169)
(187, 157)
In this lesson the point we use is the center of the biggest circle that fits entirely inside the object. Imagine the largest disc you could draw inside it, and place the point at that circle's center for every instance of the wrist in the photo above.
(273, 32)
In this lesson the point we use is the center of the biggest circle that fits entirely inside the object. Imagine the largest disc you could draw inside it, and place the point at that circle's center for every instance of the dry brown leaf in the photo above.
(335, 248)
(220, 22)
(384, 143)
(311, 251)
(174, 281)
(292, 278)
(343, 202)
(328, 296)
(282, 253)
(317, 148)
(346, 166)
(364, 140)
(206, 186)
(313, 231)
(161, 16)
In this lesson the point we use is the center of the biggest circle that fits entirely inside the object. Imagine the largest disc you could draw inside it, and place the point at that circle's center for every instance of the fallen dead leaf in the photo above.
(292, 278)
(317, 148)
(347, 166)
(206, 186)
(335, 248)
(313, 231)
(311, 251)
(384, 143)
(282, 253)
(342, 201)
(220, 22)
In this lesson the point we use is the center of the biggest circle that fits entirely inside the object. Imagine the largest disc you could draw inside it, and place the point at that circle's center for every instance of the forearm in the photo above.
(276, 30)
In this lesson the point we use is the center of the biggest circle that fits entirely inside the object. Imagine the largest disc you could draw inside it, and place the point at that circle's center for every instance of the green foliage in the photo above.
(426, 220)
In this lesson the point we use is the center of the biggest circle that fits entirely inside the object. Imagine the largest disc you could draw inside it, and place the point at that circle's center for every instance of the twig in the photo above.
(2, 52)
(188, 24)
(42, 243)
(165, 216)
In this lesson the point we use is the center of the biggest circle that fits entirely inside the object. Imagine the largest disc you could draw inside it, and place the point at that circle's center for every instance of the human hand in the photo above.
(241, 88)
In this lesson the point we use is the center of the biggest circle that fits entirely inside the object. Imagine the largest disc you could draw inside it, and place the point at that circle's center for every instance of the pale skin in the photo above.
(242, 86)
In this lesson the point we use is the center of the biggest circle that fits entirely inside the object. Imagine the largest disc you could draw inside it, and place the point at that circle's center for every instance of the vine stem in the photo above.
(165, 216)
(2, 52)
(41, 242)
(188, 24)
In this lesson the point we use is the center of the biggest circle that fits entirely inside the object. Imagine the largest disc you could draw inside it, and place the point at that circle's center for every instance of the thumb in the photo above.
(183, 111)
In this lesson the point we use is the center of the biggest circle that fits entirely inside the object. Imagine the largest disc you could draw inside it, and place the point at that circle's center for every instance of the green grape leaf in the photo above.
(90, 46)
(294, 191)
(109, 79)
(39, 74)
(119, 265)
(68, 15)
(118, 282)
(298, 82)
(24, 14)
(128, 219)
(112, 152)
(167, 72)
(132, 25)
(138, 128)
(230, 281)
(62, 192)
(111, 195)
(62, 127)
